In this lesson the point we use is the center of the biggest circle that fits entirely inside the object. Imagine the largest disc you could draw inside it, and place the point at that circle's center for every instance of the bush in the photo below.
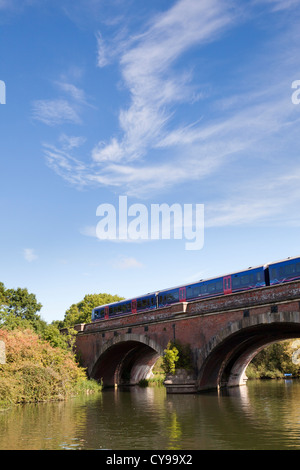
(177, 356)
(36, 371)
(170, 358)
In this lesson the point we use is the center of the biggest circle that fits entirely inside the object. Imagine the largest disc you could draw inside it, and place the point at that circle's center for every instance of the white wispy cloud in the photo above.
(147, 72)
(279, 5)
(69, 142)
(54, 112)
(146, 63)
(29, 254)
(273, 201)
(66, 108)
(102, 53)
(127, 263)
(76, 93)
(154, 152)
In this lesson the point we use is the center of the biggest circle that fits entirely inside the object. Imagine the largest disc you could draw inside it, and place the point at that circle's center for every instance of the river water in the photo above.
(261, 415)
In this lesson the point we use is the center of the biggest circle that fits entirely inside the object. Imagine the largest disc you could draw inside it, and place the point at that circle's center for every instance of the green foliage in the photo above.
(21, 304)
(176, 356)
(82, 311)
(171, 356)
(35, 371)
(57, 340)
(18, 308)
(273, 362)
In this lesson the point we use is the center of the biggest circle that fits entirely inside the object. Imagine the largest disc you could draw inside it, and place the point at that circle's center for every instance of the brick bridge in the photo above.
(224, 334)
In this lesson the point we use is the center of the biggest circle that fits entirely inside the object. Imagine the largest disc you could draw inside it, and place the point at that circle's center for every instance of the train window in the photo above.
(298, 267)
(111, 310)
(170, 298)
(214, 287)
(139, 304)
(281, 271)
(211, 288)
(273, 272)
(236, 282)
(258, 276)
(204, 289)
(290, 269)
(196, 291)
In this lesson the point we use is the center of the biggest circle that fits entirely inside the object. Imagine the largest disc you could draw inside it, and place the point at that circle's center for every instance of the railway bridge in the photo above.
(224, 334)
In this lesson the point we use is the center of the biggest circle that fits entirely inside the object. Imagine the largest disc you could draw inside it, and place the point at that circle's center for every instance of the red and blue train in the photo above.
(252, 278)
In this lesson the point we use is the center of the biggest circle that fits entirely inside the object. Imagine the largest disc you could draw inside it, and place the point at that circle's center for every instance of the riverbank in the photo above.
(35, 371)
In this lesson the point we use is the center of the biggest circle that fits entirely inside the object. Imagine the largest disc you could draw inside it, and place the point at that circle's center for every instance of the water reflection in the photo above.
(261, 415)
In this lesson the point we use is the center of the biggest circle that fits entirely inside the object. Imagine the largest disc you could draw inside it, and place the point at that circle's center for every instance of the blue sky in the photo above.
(185, 102)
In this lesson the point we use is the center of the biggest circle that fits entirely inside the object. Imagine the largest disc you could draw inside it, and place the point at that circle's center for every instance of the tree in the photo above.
(22, 304)
(2, 294)
(275, 360)
(18, 308)
(82, 311)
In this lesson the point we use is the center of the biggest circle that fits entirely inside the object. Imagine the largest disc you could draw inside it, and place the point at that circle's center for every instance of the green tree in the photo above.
(82, 311)
(2, 294)
(52, 335)
(18, 308)
(22, 304)
(274, 361)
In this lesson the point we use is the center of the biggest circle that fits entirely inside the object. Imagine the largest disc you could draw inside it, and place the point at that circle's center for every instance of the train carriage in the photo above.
(125, 307)
(284, 271)
(252, 278)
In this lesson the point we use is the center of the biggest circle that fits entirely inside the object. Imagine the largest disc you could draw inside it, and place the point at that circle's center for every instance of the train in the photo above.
(252, 278)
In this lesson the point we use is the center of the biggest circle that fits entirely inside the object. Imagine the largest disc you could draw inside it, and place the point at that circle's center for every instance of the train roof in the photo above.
(214, 277)
(127, 300)
(290, 258)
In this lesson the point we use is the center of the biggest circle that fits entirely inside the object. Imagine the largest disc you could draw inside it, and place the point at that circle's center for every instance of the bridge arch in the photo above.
(125, 359)
(226, 356)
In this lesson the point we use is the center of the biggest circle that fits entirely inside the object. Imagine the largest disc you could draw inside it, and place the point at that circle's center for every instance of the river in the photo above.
(261, 415)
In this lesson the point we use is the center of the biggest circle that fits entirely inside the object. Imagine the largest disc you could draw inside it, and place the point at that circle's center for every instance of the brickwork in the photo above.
(214, 328)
